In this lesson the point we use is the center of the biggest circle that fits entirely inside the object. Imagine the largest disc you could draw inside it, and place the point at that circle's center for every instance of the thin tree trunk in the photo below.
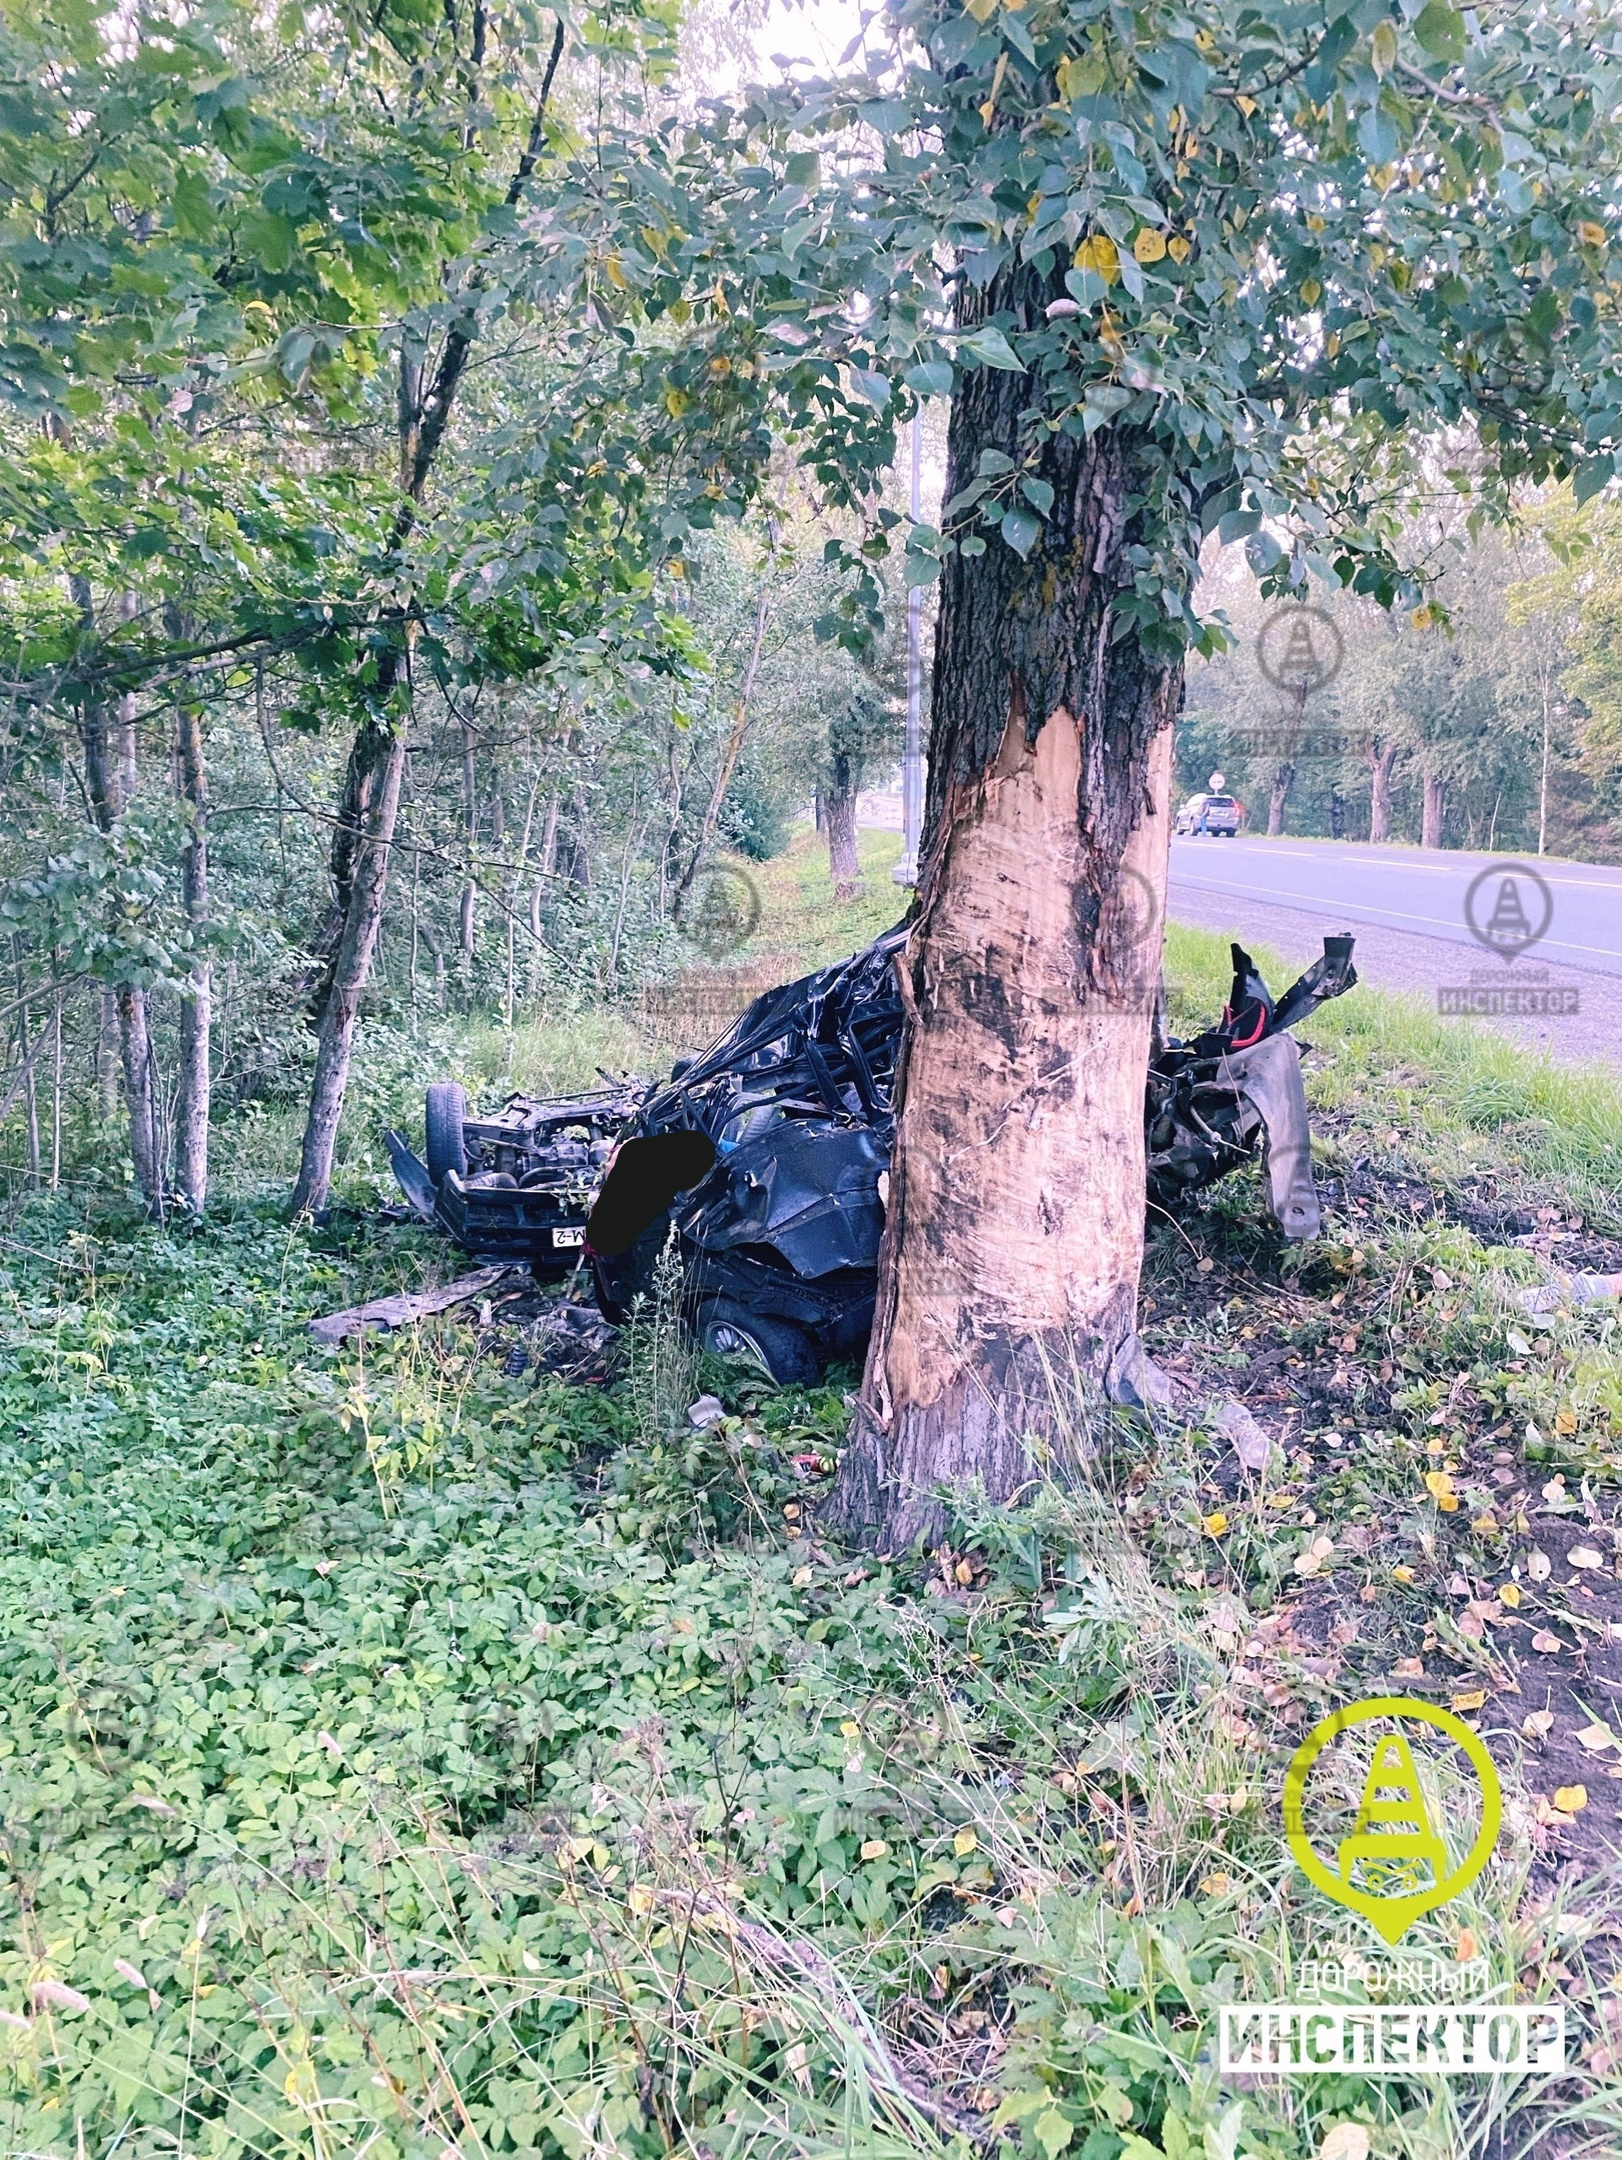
(1014, 1234)
(470, 834)
(26, 1057)
(1382, 758)
(110, 778)
(838, 800)
(1434, 811)
(737, 736)
(1278, 801)
(56, 1096)
(364, 832)
(107, 1056)
(194, 1102)
(363, 918)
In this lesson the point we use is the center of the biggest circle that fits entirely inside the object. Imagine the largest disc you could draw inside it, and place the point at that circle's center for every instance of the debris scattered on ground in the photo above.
(707, 1411)
(406, 1306)
(1571, 1290)
(1234, 1423)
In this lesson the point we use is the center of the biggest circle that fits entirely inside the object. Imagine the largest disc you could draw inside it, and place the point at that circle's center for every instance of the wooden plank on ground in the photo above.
(406, 1305)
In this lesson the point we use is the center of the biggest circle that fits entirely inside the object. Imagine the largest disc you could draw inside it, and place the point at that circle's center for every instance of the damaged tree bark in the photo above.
(1009, 1272)
(838, 804)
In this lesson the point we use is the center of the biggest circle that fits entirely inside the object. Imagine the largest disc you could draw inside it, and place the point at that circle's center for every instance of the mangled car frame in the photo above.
(763, 1157)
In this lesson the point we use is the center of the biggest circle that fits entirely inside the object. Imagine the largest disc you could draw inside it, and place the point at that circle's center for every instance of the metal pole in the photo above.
(912, 763)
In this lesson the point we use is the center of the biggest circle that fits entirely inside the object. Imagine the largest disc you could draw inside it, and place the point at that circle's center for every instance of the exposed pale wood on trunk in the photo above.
(1279, 798)
(1008, 1277)
(1382, 759)
(1433, 813)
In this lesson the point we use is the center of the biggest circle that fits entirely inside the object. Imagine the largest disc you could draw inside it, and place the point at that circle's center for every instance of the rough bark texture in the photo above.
(1014, 1236)
(1279, 800)
(1382, 757)
(737, 736)
(196, 1080)
(838, 804)
(1434, 811)
(363, 917)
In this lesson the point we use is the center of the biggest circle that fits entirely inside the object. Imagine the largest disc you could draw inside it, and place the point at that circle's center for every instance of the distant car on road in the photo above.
(1219, 815)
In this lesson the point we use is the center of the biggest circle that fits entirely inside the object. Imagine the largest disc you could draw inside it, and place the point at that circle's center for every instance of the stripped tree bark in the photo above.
(1014, 1231)
(1382, 759)
(1433, 813)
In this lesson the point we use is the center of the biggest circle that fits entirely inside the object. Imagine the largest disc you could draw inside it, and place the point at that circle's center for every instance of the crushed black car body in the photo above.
(779, 1236)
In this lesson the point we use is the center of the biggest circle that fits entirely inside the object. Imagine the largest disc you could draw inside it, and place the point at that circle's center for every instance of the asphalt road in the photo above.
(1408, 908)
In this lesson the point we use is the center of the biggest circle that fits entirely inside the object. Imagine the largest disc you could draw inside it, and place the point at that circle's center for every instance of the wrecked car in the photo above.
(763, 1156)
(517, 1185)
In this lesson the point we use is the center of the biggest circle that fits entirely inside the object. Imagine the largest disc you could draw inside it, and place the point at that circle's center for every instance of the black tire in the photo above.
(444, 1112)
(783, 1352)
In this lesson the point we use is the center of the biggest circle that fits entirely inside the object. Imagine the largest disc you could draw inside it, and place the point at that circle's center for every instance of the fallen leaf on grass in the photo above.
(1439, 1485)
(1539, 1723)
(1472, 1699)
(1409, 1668)
(1317, 1553)
(1571, 1799)
(1402, 1574)
(1596, 1738)
(1545, 1642)
(1510, 1595)
(1584, 1556)
(1565, 1422)
(1217, 1885)
(1214, 1525)
(1204, 1267)
(874, 1848)
(1347, 2141)
(1466, 1946)
(1539, 1566)
(964, 1842)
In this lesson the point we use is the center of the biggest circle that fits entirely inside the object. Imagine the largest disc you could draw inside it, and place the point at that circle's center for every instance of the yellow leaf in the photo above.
(1590, 234)
(616, 276)
(1571, 1799)
(850, 1728)
(990, 105)
(981, 10)
(1546, 1641)
(1565, 1422)
(1466, 1946)
(1216, 1524)
(1311, 291)
(874, 1849)
(1247, 105)
(1472, 1699)
(1179, 249)
(640, 1898)
(1402, 1574)
(675, 403)
(1098, 253)
(964, 1843)
(1217, 1885)
(1383, 47)
(1510, 1594)
(1150, 245)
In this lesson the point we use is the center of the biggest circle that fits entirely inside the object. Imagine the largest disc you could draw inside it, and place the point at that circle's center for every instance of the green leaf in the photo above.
(874, 388)
(802, 169)
(1053, 2132)
(1440, 29)
(1592, 474)
(1039, 494)
(1021, 531)
(991, 349)
(930, 378)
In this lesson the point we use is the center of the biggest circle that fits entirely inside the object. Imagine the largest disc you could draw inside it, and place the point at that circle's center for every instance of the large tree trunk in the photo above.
(838, 799)
(1014, 1236)
(375, 771)
(196, 1085)
(1382, 757)
(1433, 812)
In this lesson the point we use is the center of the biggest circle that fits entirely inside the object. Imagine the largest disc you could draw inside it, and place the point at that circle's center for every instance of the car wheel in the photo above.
(783, 1352)
(444, 1112)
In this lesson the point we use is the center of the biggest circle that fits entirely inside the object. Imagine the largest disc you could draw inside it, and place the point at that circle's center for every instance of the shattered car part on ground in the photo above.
(786, 1126)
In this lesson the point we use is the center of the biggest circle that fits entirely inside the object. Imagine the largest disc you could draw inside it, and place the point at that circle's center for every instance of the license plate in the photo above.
(568, 1237)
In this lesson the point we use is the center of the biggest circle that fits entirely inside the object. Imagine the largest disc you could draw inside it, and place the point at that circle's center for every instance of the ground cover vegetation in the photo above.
(404, 1756)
